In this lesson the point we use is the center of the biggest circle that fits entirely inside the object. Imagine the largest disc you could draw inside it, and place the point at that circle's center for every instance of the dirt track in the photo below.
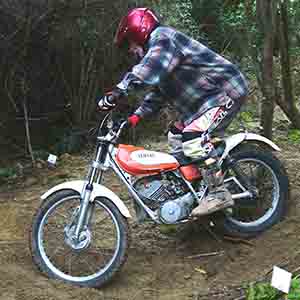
(158, 266)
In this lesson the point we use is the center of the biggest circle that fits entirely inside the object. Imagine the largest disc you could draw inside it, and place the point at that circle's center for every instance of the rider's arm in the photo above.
(152, 103)
(160, 60)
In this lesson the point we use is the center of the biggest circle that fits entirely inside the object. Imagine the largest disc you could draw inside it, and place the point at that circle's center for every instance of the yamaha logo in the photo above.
(146, 155)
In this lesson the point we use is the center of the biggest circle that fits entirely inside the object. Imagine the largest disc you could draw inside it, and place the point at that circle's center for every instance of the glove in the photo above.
(133, 120)
(106, 103)
(109, 100)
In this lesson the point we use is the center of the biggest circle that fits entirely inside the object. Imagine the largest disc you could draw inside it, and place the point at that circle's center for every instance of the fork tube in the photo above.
(93, 170)
(86, 193)
(99, 177)
(83, 208)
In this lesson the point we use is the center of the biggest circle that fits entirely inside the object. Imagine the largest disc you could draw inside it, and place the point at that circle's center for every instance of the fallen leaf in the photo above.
(202, 271)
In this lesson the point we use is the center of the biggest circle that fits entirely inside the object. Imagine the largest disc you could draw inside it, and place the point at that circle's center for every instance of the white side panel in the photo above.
(146, 157)
(98, 191)
(234, 140)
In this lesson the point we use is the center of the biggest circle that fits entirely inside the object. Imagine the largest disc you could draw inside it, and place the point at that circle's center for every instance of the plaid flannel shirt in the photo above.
(186, 74)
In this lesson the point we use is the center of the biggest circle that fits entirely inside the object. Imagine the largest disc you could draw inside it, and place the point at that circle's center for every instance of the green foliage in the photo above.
(6, 174)
(41, 154)
(294, 135)
(70, 142)
(294, 293)
(179, 14)
(88, 31)
(264, 291)
(246, 116)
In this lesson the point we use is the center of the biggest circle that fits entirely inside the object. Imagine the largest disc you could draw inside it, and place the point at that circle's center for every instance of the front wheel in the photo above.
(261, 173)
(92, 259)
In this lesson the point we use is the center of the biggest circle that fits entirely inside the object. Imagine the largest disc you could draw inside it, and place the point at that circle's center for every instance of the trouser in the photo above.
(194, 139)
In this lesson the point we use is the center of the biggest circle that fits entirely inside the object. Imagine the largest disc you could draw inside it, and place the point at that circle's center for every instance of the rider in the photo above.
(206, 89)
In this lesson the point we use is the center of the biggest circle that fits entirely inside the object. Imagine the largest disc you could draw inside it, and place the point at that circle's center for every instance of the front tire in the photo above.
(103, 247)
(269, 206)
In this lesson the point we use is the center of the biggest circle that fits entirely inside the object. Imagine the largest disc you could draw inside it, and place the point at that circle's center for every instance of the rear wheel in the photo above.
(261, 173)
(90, 261)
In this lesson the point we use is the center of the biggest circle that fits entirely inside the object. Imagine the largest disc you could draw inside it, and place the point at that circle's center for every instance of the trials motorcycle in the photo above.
(80, 233)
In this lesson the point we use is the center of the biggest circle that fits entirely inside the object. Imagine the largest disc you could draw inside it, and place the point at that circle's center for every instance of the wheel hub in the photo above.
(83, 240)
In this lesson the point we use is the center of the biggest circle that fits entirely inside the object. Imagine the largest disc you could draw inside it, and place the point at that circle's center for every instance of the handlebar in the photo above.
(123, 124)
(114, 132)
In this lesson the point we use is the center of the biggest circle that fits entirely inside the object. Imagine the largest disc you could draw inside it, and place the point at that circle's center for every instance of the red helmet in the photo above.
(136, 26)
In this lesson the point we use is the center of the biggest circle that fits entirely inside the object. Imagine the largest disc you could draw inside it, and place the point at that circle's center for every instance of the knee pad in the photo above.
(196, 145)
(174, 142)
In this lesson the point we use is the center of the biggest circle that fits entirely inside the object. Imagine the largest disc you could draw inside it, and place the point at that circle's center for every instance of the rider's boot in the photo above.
(218, 196)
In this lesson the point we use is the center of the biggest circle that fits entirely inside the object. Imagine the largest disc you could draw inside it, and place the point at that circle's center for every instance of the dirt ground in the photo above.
(158, 266)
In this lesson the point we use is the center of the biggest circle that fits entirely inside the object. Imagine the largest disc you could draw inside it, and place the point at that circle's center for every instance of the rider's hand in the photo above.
(106, 103)
(110, 99)
(133, 120)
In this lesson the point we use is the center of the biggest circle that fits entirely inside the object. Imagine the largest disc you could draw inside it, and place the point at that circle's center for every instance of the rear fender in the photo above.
(235, 140)
(98, 191)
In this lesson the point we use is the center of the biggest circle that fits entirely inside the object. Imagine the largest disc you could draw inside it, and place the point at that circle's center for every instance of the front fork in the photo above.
(86, 206)
(85, 211)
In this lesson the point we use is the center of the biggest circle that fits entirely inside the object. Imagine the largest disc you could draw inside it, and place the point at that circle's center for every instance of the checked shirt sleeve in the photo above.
(160, 60)
(151, 104)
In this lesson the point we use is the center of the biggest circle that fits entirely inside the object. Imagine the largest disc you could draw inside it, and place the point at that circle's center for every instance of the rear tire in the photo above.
(232, 223)
(46, 260)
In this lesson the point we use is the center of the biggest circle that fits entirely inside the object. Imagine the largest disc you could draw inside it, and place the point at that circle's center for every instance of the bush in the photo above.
(6, 174)
(294, 136)
(264, 291)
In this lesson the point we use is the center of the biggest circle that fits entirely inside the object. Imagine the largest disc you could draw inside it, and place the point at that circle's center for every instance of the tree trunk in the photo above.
(24, 84)
(28, 137)
(286, 103)
(266, 14)
(291, 112)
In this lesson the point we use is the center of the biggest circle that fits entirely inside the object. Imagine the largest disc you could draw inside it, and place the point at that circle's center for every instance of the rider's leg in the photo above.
(196, 144)
(175, 139)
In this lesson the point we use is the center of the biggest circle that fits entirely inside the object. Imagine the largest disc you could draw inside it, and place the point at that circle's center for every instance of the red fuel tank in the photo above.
(138, 161)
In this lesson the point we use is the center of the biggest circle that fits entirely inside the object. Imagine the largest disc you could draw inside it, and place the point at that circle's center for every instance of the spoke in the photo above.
(70, 265)
(102, 220)
(96, 224)
(79, 262)
(89, 266)
(250, 170)
(62, 215)
(68, 214)
(70, 261)
(106, 251)
(55, 230)
(55, 252)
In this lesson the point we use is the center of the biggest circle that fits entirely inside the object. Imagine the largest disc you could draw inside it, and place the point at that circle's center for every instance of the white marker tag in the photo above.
(52, 159)
(281, 280)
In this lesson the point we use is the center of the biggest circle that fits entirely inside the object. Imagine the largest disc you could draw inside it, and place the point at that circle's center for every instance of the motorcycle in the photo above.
(80, 233)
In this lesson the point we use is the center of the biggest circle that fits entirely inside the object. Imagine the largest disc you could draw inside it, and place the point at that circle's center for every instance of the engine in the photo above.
(167, 195)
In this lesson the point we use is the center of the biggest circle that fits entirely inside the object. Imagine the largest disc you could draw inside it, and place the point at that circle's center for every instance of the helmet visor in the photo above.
(122, 32)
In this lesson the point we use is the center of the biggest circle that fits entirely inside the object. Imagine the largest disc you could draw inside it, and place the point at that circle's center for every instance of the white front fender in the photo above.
(98, 191)
(235, 140)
